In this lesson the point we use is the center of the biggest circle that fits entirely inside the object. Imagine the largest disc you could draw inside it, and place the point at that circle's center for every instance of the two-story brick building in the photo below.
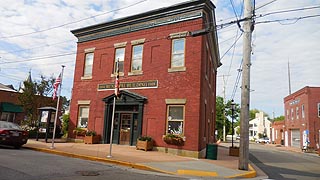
(168, 60)
(302, 118)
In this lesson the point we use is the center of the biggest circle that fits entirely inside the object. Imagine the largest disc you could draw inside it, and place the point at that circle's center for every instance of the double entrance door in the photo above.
(125, 128)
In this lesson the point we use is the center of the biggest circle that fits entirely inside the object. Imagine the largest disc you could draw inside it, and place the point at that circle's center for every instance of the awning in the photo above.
(10, 107)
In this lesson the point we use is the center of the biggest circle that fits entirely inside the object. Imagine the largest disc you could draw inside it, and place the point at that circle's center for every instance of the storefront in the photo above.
(127, 118)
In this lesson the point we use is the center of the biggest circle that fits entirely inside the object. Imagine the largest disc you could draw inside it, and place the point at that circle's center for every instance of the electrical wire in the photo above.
(296, 19)
(289, 10)
(236, 84)
(74, 22)
(231, 46)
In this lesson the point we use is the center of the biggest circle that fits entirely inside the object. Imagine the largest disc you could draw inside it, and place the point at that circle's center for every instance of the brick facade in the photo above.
(302, 121)
(194, 84)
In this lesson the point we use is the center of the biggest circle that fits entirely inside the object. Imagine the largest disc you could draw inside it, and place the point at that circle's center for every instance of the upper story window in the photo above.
(288, 117)
(88, 63)
(302, 111)
(178, 52)
(137, 52)
(178, 49)
(297, 112)
(119, 56)
(292, 114)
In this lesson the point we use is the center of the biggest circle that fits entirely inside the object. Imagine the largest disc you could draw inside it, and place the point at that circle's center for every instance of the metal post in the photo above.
(112, 120)
(245, 88)
(57, 110)
(232, 118)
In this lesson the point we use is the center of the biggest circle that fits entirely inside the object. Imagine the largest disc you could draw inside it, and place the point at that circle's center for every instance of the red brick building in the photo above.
(168, 60)
(10, 109)
(302, 117)
(277, 132)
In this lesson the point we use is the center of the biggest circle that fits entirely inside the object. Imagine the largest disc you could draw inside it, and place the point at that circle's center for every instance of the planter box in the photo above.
(91, 139)
(234, 151)
(145, 145)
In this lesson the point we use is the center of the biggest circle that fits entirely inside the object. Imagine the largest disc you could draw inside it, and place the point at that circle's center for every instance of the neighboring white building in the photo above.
(259, 125)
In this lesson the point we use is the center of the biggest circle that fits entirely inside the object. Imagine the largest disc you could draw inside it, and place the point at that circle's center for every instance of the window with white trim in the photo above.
(175, 119)
(87, 72)
(136, 62)
(292, 114)
(83, 116)
(119, 54)
(297, 112)
(302, 111)
(178, 53)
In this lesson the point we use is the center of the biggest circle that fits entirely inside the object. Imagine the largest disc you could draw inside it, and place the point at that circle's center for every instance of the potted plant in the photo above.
(79, 131)
(145, 143)
(174, 139)
(91, 137)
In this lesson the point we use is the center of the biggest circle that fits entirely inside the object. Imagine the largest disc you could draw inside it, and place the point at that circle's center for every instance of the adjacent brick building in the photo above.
(10, 109)
(302, 118)
(168, 60)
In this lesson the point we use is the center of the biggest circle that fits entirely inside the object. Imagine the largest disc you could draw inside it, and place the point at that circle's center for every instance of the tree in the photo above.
(33, 97)
(280, 118)
(224, 115)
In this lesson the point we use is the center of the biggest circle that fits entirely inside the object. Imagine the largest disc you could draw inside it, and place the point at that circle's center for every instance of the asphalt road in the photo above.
(23, 164)
(285, 165)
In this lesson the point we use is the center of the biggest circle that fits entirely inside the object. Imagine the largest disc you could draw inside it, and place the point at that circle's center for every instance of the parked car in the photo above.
(263, 140)
(11, 134)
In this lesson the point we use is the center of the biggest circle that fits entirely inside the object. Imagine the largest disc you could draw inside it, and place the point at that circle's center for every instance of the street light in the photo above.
(233, 107)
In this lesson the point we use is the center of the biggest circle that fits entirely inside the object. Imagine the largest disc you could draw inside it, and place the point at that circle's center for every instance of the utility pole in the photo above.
(224, 112)
(245, 88)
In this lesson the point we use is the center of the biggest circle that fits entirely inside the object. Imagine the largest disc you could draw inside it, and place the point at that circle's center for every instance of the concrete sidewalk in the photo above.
(224, 167)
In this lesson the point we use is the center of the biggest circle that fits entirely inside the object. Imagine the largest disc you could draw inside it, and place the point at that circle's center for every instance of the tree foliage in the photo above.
(37, 94)
(224, 116)
(280, 118)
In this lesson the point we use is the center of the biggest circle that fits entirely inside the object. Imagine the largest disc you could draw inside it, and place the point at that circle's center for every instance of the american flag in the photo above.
(116, 83)
(56, 86)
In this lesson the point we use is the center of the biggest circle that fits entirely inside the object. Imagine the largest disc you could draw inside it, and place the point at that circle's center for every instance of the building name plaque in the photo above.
(130, 85)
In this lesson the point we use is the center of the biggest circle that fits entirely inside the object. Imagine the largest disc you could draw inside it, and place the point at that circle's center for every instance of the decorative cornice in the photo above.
(169, 15)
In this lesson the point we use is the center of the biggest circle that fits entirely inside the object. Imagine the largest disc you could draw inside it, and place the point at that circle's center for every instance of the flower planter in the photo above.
(234, 151)
(144, 145)
(175, 140)
(91, 139)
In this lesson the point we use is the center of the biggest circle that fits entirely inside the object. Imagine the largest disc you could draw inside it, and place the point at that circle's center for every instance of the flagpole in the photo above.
(112, 120)
(57, 110)
(116, 94)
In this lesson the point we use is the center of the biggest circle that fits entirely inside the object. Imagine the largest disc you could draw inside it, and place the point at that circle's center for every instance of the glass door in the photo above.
(125, 128)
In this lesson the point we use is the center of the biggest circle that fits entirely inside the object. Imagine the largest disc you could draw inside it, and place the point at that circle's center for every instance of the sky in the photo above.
(35, 37)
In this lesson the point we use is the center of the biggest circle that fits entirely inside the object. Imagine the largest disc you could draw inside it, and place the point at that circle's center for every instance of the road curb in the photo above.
(113, 161)
(250, 174)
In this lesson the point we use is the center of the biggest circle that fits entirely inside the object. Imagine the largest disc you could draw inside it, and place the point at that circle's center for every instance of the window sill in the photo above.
(135, 73)
(86, 77)
(177, 69)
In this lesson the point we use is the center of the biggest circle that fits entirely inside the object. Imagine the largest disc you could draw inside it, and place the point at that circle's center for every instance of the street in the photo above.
(285, 165)
(23, 164)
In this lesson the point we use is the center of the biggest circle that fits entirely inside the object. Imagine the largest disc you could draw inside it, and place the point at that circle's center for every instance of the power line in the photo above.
(296, 19)
(265, 4)
(36, 47)
(74, 22)
(231, 46)
(289, 10)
